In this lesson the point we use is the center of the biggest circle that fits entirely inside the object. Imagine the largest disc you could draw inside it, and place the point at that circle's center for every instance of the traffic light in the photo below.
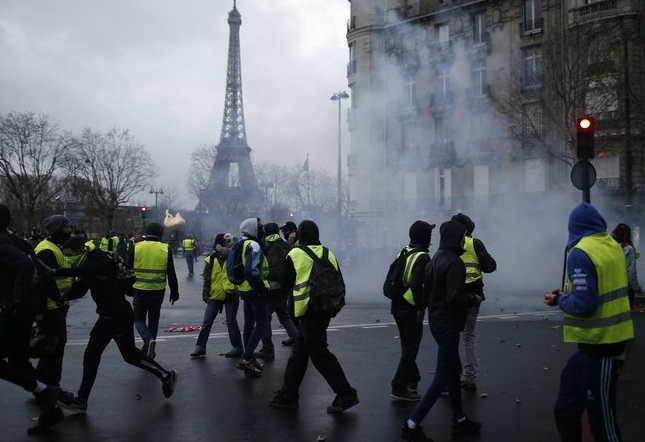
(144, 212)
(585, 138)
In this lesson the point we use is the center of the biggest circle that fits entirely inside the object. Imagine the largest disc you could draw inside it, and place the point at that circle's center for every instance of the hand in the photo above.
(551, 298)
(173, 298)
(478, 300)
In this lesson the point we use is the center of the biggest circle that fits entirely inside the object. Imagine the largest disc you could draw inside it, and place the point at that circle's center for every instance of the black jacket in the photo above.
(98, 274)
(17, 264)
(446, 295)
(417, 280)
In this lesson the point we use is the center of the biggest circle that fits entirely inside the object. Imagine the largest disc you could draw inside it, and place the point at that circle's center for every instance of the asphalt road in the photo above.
(519, 345)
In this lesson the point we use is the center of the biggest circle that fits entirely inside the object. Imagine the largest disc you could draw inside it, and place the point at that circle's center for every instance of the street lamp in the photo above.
(339, 96)
(157, 192)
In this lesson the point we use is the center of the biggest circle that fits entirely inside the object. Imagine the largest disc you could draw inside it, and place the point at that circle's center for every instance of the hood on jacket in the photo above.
(452, 236)
(421, 233)
(584, 220)
(250, 228)
(465, 221)
(308, 233)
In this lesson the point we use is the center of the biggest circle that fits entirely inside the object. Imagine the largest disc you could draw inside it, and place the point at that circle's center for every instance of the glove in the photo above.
(173, 298)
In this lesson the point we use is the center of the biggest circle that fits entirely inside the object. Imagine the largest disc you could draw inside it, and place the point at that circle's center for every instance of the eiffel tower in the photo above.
(232, 188)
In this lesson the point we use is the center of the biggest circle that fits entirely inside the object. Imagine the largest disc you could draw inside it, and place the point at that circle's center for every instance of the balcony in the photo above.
(481, 151)
(443, 153)
(408, 111)
(442, 101)
(479, 46)
(478, 94)
(531, 27)
(597, 7)
(442, 52)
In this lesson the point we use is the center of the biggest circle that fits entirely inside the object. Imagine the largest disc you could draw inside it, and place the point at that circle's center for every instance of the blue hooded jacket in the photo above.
(582, 301)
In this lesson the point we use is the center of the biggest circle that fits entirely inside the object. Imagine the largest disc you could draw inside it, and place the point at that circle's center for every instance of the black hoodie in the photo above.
(445, 286)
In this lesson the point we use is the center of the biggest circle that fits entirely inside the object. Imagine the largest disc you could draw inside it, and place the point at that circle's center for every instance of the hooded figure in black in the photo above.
(408, 312)
(447, 302)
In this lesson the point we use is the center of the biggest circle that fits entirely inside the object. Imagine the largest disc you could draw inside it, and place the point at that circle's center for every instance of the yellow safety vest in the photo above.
(471, 261)
(245, 286)
(62, 282)
(220, 285)
(150, 264)
(612, 321)
(410, 261)
(105, 244)
(302, 263)
(189, 245)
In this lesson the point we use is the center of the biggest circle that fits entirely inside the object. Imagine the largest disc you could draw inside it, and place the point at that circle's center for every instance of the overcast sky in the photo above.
(158, 68)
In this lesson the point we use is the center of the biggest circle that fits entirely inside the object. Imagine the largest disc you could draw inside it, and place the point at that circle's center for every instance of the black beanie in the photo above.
(271, 229)
(55, 224)
(154, 229)
(308, 232)
(5, 216)
(421, 232)
(219, 240)
(465, 221)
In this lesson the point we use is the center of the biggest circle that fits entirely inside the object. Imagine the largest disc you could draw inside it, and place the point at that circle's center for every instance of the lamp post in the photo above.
(339, 96)
(157, 192)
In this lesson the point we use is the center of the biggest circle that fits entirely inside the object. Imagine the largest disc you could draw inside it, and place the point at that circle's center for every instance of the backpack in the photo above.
(234, 264)
(326, 284)
(125, 276)
(275, 253)
(394, 286)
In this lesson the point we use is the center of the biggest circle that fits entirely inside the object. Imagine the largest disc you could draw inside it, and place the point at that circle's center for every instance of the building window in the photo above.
(534, 175)
(532, 15)
(443, 186)
(443, 33)
(442, 130)
(407, 137)
(601, 99)
(351, 66)
(479, 77)
(532, 67)
(532, 116)
(607, 172)
(410, 190)
(479, 27)
(480, 180)
(410, 91)
(479, 126)
(443, 79)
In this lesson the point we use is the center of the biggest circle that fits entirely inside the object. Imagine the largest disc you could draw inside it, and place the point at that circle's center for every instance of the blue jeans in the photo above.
(147, 303)
(190, 259)
(447, 373)
(214, 307)
(255, 320)
(589, 382)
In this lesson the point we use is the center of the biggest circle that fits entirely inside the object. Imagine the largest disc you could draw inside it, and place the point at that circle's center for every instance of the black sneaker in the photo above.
(199, 353)
(416, 435)
(264, 354)
(169, 382)
(48, 397)
(70, 402)
(288, 342)
(469, 385)
(465, 426)
(284, 401)
(342, 403)
(252, 367)
(413, 387)
(234, 353)
(405, 395)
(47, 419)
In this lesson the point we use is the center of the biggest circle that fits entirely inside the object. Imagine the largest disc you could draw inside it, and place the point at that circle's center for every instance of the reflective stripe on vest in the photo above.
(62, 282)
(471, 261)
(264, 269)
(150, 264)
(611, 322)
(410, 261)
(302, 264)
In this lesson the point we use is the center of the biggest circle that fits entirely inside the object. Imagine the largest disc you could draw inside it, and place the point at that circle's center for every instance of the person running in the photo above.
(95, 271)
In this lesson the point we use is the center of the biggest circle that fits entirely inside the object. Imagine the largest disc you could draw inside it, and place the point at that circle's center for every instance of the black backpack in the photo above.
(326, 284)
(275, 253)
(125, 276)
(394, 287)
(234, 264)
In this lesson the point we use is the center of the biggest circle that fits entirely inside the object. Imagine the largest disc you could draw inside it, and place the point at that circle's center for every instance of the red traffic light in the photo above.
(585, 138)
(144, 212)
(584, 123)
(143, 209)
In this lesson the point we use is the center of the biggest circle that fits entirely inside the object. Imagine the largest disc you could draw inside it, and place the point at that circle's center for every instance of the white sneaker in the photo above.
(151, 349)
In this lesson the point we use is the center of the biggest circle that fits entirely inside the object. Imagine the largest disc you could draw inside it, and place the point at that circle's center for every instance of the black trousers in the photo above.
(311, 342)
(119, 328)
(410, 334)
(15, 333)
(50, 367)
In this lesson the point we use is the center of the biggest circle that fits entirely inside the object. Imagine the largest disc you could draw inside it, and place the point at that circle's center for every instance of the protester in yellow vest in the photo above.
(311, 341)
(596, 317)
(54, 322)
(408, 313)
(190, 252)
(153, 265)
(477, 261)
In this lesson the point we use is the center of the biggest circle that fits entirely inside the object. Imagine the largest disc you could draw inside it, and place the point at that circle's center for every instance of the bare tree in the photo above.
(114, 166)
(201, 163)
(32, 150)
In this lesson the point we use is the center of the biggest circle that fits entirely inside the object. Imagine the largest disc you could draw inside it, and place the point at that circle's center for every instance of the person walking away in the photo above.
(596, 316)
(153, 266)
(311, 340)
(54, 318)
(477, 261)
(408, 312)
(447, 301)
(190, 249)
(20, 301)
(275, 249)
(623, 234)
(219, 293)
(253, 292)
(96, 272)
